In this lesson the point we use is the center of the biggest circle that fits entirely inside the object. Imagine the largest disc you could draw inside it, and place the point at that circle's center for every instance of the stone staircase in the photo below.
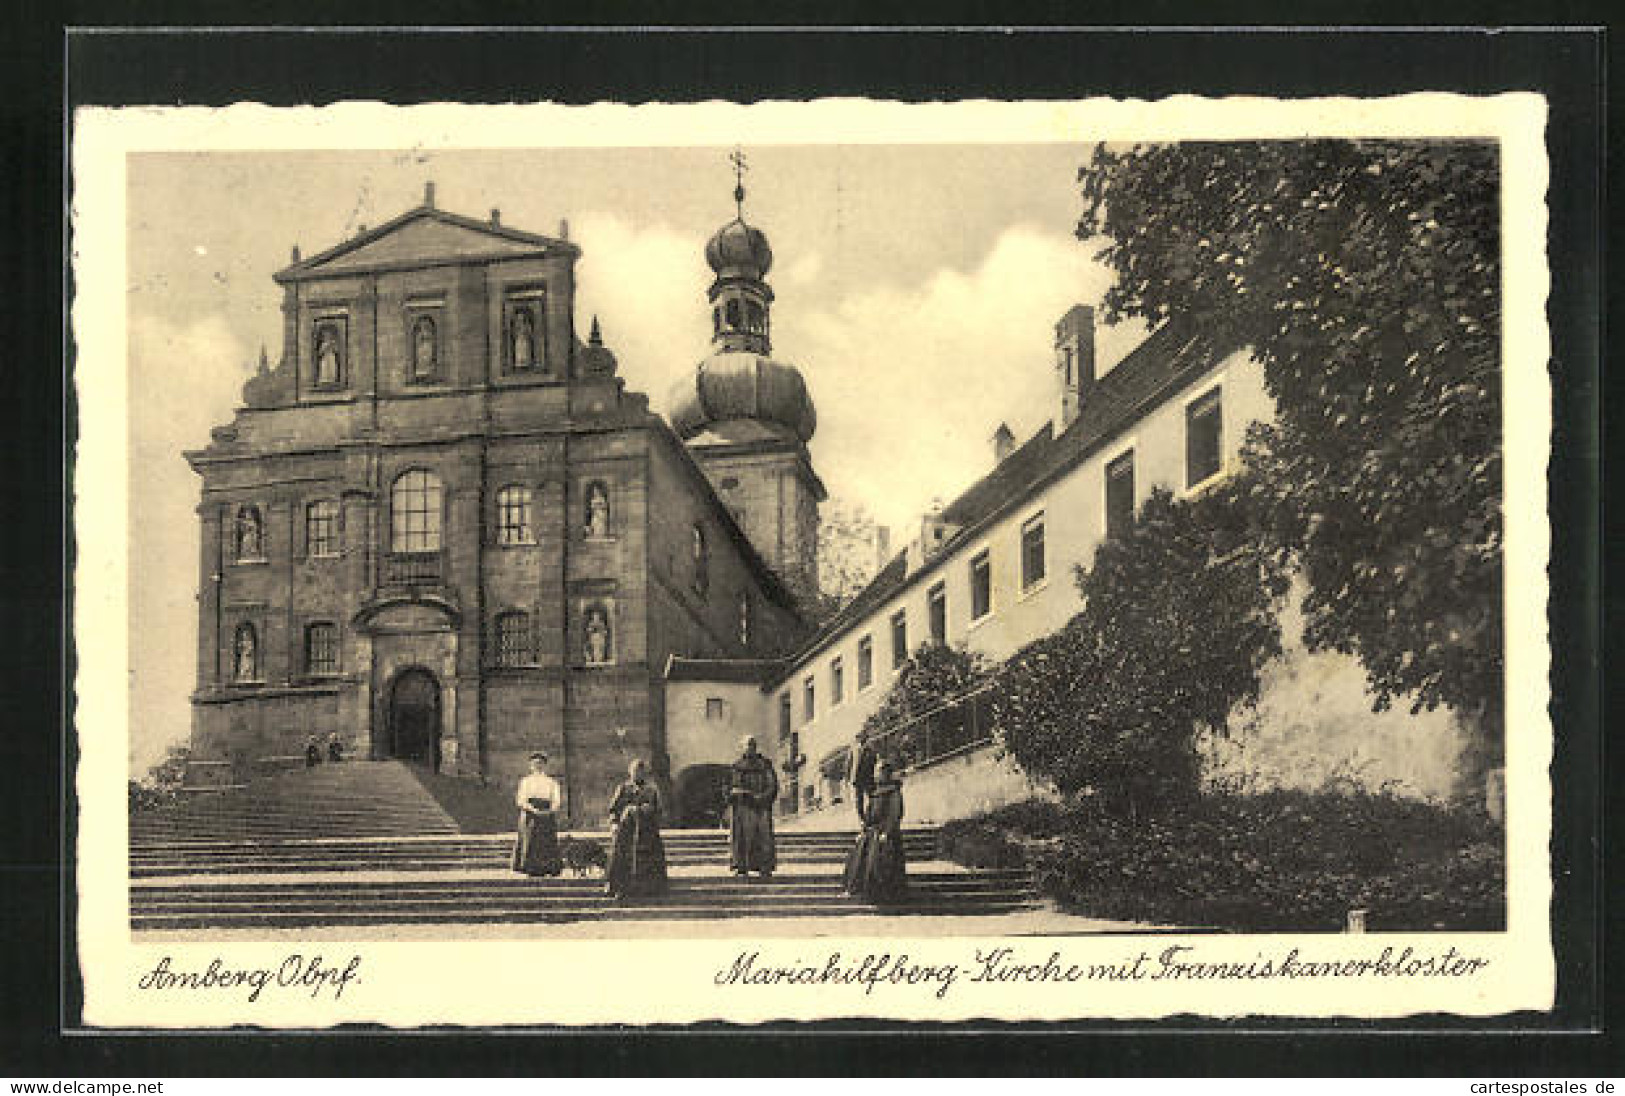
(351, 799)
(325, 848)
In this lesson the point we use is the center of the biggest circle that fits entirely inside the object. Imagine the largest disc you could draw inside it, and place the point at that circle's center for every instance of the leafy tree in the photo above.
(933, 677)
(163, 781)
(1181, 612)
(1365, 277)
(848, 558)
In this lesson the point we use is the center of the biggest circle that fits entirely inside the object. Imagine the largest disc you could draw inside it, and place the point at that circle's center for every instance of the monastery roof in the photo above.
(741, 671)
(1169, 358)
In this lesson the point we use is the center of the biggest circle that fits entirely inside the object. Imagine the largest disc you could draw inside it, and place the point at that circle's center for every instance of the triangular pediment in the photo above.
(422, 236)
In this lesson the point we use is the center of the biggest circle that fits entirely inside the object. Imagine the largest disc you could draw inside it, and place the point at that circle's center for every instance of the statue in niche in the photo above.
(597, 510)
(246, 652)
(597, 636)
(248, 533)
(327, 356)
(524, 339)
(423, 347)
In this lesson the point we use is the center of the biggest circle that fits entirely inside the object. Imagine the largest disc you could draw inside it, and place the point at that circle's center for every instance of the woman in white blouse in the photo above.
(536, 848)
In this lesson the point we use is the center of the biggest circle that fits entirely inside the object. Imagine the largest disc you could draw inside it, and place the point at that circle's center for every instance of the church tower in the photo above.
(747, 417)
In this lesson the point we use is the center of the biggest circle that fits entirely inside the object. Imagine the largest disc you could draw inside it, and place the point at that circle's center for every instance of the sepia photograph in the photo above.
(905, 548)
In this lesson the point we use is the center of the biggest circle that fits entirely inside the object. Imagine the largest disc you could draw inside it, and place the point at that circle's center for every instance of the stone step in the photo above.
(604, 910)
(407, 885)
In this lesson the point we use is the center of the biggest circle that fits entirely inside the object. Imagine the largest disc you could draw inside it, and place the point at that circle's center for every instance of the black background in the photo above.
(49, 69)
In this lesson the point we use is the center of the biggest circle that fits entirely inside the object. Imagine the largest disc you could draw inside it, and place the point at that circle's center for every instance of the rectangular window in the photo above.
(322, 528)
(1120, 494)
(809, 705)
(1032, 552)
(899, 638)
(513, 516)
(1204, 438)
(321, 649)
(981, 585)
(784, 716)
(837, 682)
(513, 639)
(713, 707)
(866, 662)
(937, 603)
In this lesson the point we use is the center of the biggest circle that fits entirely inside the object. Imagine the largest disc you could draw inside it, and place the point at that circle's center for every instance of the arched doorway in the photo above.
(414, 718)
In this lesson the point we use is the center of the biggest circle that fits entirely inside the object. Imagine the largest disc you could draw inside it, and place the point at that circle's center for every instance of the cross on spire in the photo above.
(737, 159)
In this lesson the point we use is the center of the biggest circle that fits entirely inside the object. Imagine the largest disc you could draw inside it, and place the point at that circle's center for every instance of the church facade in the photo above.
(440, 527)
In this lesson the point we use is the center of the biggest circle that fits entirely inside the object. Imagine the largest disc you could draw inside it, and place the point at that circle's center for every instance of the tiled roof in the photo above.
(742, 671)
(1169, 358)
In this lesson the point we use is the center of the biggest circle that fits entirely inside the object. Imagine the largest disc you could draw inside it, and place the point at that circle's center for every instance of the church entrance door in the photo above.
(414, 718)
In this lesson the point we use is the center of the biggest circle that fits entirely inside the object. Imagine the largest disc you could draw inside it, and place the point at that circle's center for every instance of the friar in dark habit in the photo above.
(637, 856)
(752, 789)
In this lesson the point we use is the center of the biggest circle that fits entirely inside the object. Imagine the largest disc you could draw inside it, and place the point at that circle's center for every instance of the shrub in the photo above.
(1179, 616)
(977, 845)
(1273, 862)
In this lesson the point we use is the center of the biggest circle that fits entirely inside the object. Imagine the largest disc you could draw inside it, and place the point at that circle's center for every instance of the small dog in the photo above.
(581, 856)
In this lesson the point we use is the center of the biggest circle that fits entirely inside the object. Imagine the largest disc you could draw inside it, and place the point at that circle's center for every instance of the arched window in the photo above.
(734, 321)
(414, 512)
(513, 639)
(322, 528)
(245, 654)
(329, 355)
(702, 561)
(513, 515)
(321, 649)
(425, 348)
(596, 519)
(753, 316)
(250, 535)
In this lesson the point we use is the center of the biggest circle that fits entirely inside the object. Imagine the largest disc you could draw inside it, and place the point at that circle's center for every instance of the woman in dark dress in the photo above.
(875, 869)
(536, 844)
(637, 856)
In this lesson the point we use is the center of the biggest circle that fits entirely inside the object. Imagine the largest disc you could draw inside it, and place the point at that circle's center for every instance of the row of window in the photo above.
(416, 502)
(1033, 569)
(524, 346)
(1203, 460)
(513, 634)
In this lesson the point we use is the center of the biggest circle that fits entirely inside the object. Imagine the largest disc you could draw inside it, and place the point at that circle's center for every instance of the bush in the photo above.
(1280, 861)
(1180, 613)
(977, 845)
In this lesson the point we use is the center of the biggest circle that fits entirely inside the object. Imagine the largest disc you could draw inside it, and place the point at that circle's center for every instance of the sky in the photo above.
(916, 289)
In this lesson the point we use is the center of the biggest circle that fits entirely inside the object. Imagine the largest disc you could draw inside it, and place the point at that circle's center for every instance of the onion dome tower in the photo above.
(747, 417)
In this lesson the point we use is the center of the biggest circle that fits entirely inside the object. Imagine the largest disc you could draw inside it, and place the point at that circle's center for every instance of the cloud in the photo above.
(647, 287)
(184, 379)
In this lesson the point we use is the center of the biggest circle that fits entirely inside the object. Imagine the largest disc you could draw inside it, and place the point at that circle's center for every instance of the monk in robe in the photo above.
(751, 792)
(637, 857)
(536, 844)
(875, 871)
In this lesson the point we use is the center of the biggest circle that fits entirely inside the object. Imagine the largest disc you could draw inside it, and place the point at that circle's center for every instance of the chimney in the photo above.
(496, 217)
(564, 230)
(1004, 443)
(935, 533)
(428, 195)
(1074, 362)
